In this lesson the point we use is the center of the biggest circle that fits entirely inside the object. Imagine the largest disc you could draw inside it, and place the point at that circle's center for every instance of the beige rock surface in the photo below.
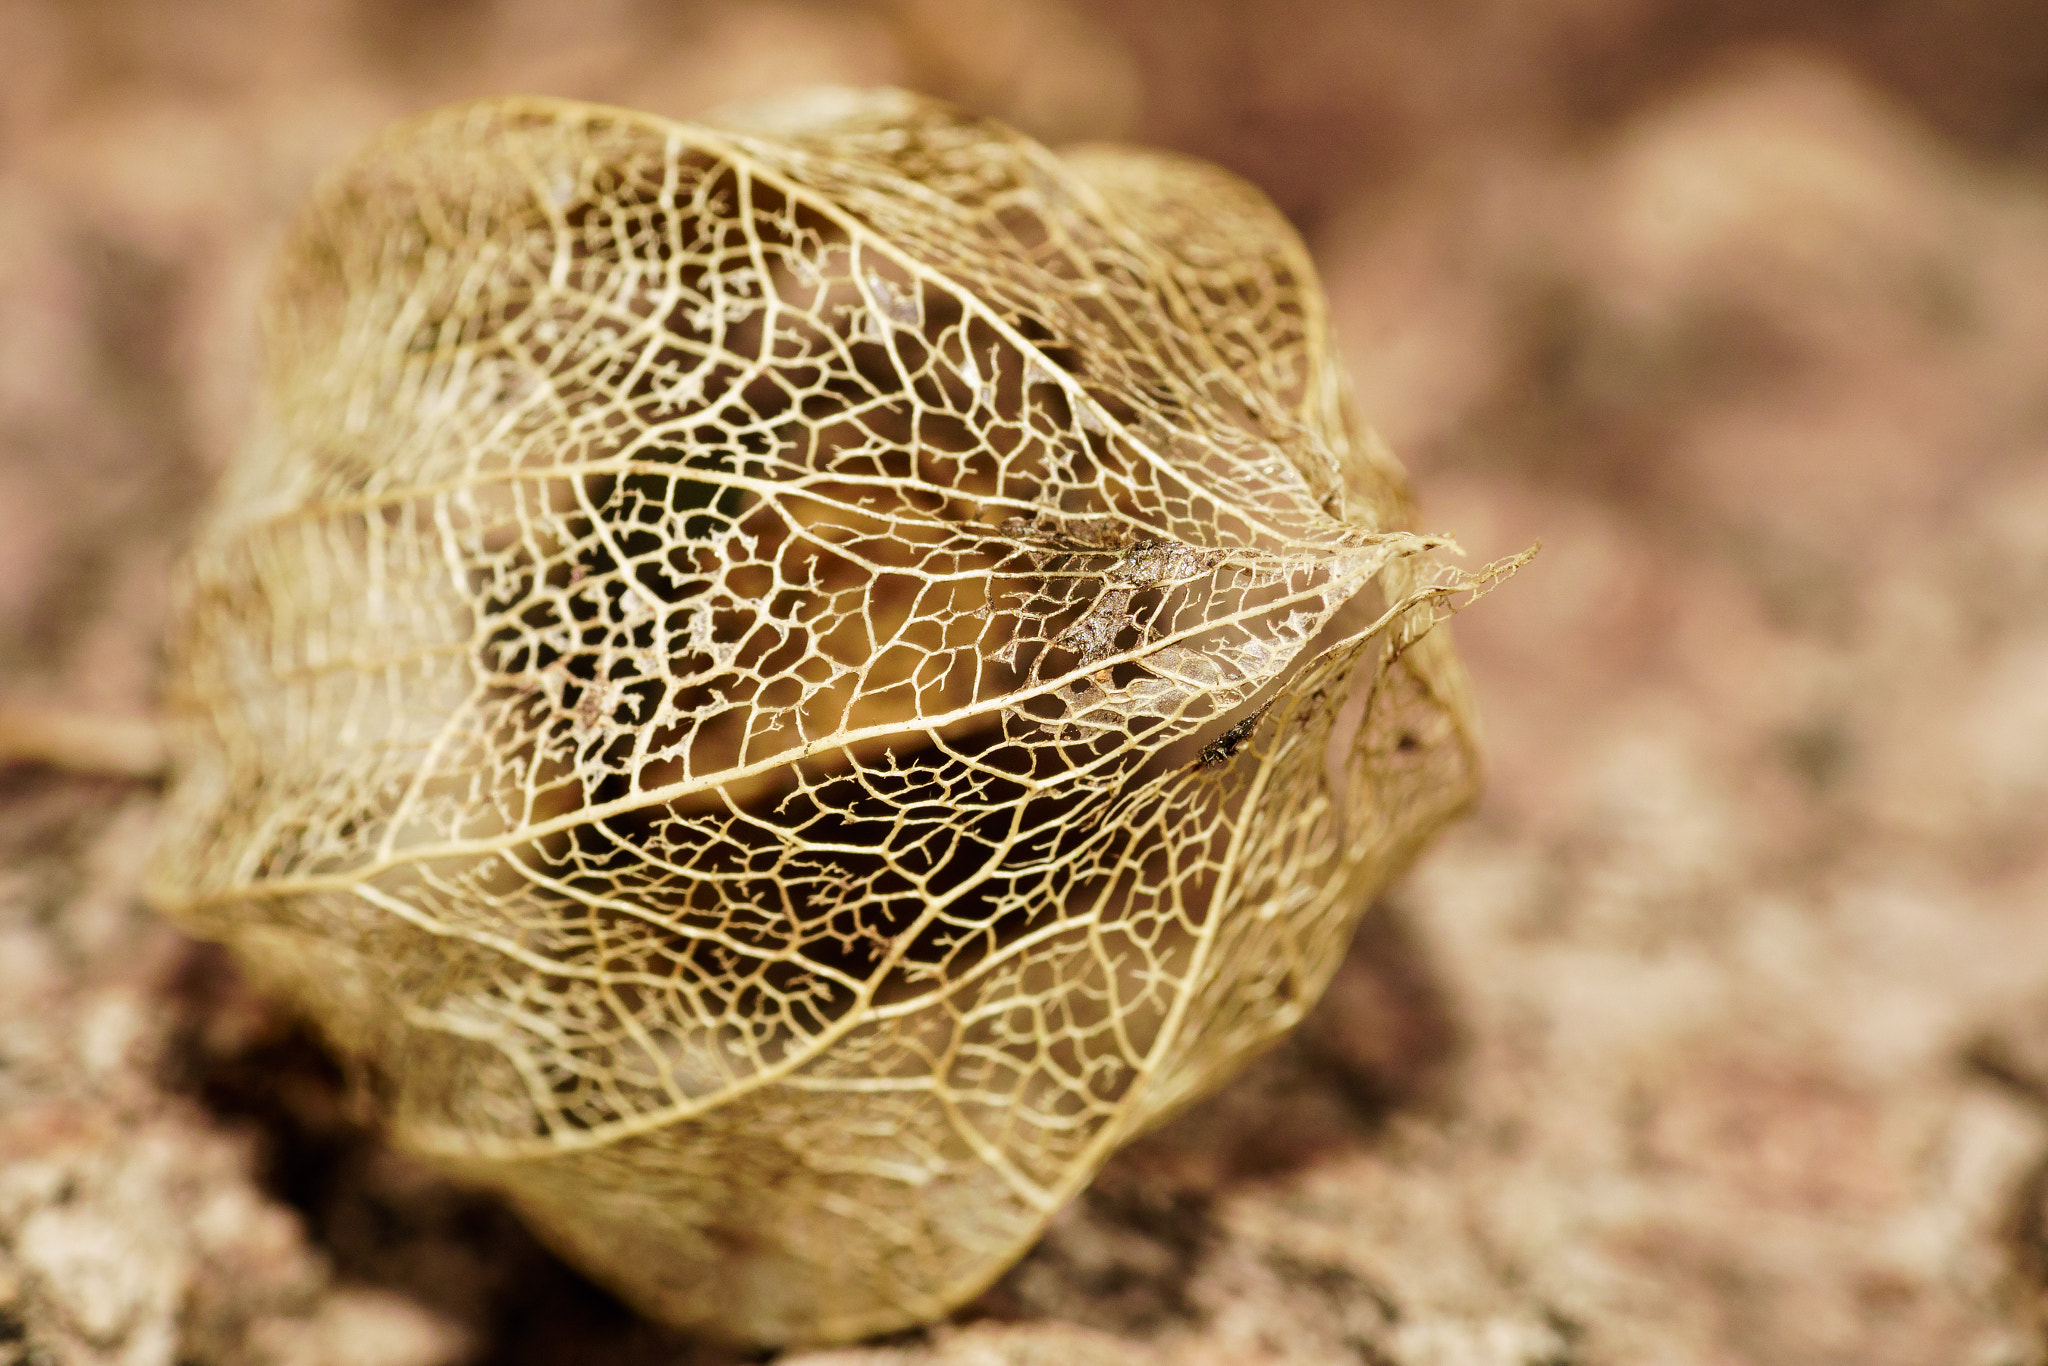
(1719, 1034)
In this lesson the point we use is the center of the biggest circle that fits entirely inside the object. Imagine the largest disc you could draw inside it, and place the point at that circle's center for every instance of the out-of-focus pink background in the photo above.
(1719, 1033)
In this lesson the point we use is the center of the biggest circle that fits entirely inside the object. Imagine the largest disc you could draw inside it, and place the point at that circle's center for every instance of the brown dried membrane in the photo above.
(784, 686)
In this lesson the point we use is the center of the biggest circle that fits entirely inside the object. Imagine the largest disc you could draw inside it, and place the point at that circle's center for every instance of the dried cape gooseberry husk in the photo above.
(784, 686)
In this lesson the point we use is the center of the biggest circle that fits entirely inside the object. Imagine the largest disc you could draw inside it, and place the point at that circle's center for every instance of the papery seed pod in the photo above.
(784, 686)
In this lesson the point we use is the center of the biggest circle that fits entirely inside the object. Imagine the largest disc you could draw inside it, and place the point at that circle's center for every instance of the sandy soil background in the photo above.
(1719, 1034)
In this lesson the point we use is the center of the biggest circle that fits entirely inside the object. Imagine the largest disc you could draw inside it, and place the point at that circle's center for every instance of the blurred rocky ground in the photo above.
(1719, 1034)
